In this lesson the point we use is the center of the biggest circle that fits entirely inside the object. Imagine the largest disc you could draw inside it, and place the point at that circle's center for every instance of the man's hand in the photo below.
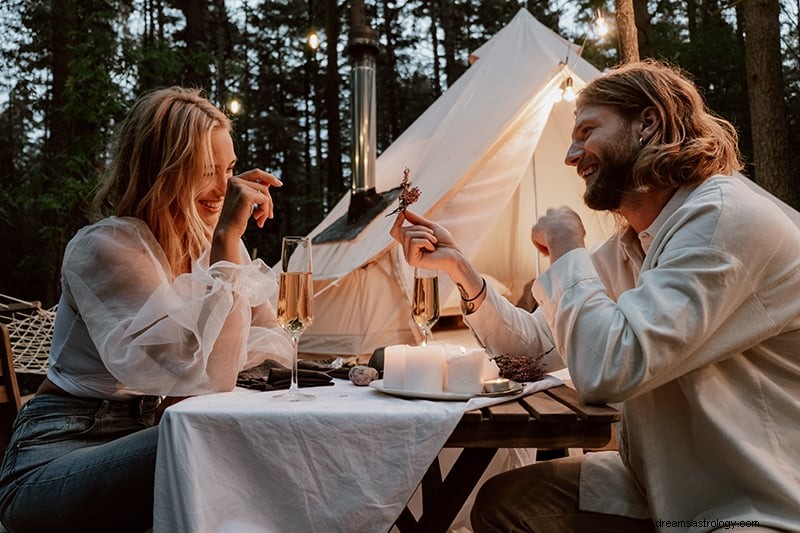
(557, 232)
(429, 245)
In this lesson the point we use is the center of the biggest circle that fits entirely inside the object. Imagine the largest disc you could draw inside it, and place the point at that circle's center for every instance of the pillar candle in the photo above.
(425, 368)
(464, 371)
(394, 366)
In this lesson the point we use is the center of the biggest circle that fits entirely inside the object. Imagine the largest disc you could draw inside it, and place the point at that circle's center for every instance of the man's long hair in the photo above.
(691, 145)
(162, 156)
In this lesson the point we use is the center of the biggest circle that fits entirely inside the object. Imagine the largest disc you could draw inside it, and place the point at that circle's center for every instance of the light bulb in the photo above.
(567, 90)
(235, 106)
(313, 40)
(600, 26)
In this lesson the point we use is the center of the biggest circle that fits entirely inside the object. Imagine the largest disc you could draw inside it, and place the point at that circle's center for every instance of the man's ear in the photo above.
(649, 123)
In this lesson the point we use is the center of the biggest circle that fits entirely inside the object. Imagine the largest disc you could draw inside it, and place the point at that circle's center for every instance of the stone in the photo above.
(362, 375)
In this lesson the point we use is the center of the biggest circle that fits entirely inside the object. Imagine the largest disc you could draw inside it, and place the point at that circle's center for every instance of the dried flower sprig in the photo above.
(520, 368)
(408, 194)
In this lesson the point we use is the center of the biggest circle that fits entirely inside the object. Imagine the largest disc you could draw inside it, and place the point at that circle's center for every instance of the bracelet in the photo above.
(483, 288)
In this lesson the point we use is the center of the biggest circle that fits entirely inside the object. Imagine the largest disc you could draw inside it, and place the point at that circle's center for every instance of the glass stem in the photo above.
(293, 386)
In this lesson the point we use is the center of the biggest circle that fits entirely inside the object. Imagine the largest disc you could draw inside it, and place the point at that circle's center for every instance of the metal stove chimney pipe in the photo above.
(362, 48)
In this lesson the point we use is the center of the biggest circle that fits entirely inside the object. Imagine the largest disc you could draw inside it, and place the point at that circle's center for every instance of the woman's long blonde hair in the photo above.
(163, 151)
(691, 144)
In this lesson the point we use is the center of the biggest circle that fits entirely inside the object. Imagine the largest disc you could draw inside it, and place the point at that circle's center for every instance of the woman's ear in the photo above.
(649, 122)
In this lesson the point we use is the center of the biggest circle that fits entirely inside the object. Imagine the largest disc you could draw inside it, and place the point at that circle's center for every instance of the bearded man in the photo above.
(689, 317)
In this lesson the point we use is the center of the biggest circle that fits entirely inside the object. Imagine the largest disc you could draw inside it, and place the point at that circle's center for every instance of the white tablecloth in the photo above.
(347, 461)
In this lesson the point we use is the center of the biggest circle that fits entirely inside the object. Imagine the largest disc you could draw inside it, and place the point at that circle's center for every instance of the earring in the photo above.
(641, 141)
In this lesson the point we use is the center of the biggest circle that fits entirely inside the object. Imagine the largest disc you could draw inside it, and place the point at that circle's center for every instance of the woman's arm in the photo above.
(182, 337)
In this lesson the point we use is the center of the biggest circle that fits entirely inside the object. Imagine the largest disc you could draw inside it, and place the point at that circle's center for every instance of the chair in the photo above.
(9, 390)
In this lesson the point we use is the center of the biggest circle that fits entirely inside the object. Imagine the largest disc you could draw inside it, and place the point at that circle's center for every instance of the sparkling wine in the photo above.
(425, 310)
(295, 302)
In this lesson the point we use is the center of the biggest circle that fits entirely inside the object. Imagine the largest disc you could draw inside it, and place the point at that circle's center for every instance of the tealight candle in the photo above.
(394, 366)
(496, 385)
(425, 367)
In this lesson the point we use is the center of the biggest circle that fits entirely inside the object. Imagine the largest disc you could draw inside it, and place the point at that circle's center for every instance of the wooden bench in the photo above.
(555, 418)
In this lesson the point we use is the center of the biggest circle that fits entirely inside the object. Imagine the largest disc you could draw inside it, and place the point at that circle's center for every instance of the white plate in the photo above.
(378, 385)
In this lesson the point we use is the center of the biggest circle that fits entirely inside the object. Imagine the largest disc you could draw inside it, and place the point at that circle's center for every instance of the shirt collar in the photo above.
(677, 200)
(630, 247)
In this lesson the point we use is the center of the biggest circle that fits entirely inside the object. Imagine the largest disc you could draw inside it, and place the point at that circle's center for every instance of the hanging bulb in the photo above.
(555, 95)
(600, 25)
(313, 39)
(234, 106)
(567, 90)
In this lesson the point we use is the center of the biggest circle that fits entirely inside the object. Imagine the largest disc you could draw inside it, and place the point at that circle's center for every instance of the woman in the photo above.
(159, 298)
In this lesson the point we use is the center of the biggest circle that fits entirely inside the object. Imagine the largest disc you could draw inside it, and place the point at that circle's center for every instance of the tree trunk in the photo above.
(437, 69)
(195, 35)
(767, 99)
(392, 124)
(642, 18)
(335, 180)
(451, 69)
(691, 19)
(626, 31)
(64, 29)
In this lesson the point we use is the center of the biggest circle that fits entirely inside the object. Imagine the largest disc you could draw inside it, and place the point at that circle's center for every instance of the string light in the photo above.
(234, 106)
(600, 25)
(568, 90)
(313, 39)
(564, 91)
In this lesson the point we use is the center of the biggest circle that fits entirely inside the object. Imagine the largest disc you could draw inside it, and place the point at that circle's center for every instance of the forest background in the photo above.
(70, 69)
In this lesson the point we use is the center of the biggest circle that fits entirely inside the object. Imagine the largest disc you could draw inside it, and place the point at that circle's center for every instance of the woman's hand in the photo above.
(247, 195)
(557, 232)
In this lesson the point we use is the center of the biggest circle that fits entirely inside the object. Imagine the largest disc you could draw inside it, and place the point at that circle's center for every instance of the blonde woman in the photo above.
(159, 298)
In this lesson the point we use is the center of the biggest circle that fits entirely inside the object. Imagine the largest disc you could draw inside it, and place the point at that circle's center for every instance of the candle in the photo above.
(490, 370)
(496, 385)
(425, 366)
(464, 373)
(394, 366)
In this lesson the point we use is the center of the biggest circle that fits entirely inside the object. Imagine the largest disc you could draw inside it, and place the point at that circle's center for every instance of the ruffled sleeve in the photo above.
(183, 337)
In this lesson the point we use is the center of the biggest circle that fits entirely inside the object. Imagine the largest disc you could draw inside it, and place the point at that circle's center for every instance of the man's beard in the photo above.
(614, 178)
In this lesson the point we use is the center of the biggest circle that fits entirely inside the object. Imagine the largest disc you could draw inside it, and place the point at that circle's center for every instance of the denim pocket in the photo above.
(48, 418)
(47, 428)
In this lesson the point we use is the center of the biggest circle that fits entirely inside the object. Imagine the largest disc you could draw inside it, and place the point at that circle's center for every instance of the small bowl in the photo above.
(496, 385)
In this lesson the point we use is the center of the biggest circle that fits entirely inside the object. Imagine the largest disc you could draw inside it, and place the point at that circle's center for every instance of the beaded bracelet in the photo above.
(483, 288)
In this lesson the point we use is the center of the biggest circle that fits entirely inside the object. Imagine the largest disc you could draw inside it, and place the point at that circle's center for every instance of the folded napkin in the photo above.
(271, 375)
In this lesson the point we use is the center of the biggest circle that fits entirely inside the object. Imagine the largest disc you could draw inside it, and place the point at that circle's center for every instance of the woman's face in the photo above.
(212, 192)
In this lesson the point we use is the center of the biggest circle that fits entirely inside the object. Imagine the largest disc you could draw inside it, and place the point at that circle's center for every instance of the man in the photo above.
(689, 317)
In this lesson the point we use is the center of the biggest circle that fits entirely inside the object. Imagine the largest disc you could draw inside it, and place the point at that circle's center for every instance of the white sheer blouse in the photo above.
(124, 327)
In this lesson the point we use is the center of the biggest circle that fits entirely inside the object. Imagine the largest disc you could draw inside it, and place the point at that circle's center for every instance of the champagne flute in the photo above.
(425, 308)
(295, 302)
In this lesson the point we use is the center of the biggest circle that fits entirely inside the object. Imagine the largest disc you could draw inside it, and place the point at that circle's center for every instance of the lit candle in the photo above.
(394, 366)
(464, 372)
(425, 366)
(496, 385)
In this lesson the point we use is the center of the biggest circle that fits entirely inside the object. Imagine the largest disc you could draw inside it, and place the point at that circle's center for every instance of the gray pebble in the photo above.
(361, 375)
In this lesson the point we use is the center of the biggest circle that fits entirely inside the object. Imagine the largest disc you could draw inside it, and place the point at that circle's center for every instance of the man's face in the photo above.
(603, 150)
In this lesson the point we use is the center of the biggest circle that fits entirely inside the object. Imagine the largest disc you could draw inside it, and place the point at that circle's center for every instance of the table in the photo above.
(348, 461)
(552, 418)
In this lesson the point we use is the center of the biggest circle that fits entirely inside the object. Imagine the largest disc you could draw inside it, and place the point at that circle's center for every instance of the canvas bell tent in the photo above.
(488, 157)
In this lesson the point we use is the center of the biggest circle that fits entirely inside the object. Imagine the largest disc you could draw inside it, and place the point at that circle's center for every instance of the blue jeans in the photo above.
(80, 464)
